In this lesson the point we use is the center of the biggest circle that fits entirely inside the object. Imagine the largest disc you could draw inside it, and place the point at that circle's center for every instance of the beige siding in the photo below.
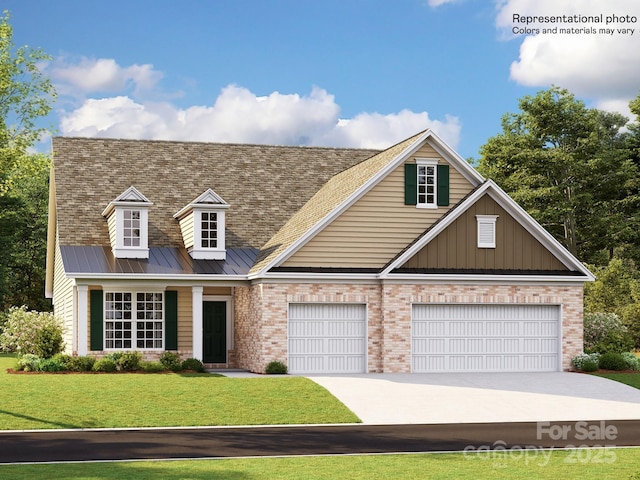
(456, 247)
(186, 226)
(63, 299)
(378, 226)
(185, 318)
(217, 291)
(111, 224)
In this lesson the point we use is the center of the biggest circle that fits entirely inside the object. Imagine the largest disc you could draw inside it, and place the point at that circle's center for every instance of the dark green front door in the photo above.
(214, 319)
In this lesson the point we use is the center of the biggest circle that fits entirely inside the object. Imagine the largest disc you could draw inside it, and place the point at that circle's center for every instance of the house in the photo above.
(331, 260)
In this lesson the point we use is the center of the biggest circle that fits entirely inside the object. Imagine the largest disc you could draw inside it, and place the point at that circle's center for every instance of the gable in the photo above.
(456, 247)
(380, 223)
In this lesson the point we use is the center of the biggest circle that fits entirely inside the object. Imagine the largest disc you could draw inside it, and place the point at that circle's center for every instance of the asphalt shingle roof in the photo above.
(265, 185)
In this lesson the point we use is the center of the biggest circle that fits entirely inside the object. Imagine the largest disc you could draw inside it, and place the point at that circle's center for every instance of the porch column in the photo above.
(196, 301)
(82, 316)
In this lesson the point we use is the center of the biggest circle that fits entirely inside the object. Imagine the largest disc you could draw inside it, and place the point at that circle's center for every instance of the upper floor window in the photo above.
(127, 220)
(427, 182)
(131, 228)
(209, 229)
(202, 223)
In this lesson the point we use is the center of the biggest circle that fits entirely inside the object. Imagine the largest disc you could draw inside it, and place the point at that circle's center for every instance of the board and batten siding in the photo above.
(456, 246)
(378, 225)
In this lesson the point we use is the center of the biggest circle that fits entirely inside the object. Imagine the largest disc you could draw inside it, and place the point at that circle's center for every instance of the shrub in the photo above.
(276, 367)
(171, 361)
(612, 361)
(633, 362)
(49, 365)
(64, 359)
(130, 361)
(589, 365)
(580, 361)
(152, 367)
(28, 362)
(193, 364)
(104, 365)
(605, 332)
(38, 333)
(80, 364)
(126, 361)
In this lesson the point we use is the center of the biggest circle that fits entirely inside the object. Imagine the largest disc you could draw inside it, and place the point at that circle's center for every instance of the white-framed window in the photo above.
(427, 182)
(209, 229)
(131, 232)
(486, 230)
(134, 320)
(127, 221)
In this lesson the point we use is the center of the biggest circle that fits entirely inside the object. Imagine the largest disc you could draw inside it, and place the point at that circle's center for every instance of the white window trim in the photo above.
(200, 253)
(133, 320)
(486, 228)
(430, 162)
(122, 251)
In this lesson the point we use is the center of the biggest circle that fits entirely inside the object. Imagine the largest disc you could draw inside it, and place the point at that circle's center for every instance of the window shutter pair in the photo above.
(170, 320)
(411, 184)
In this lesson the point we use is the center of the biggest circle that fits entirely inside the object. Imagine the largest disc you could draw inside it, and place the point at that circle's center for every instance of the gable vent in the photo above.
(486, 231)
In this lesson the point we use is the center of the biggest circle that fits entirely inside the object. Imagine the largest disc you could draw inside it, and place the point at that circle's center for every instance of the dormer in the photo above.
(127, 218)
(203, 223)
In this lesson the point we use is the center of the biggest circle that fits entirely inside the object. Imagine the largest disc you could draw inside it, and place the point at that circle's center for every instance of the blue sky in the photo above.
(362, 73)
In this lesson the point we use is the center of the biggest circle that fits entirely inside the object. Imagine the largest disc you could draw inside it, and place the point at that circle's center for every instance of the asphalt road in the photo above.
(97, 445)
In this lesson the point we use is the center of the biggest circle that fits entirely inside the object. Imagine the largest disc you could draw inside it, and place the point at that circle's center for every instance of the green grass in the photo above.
(49, 401)
(576, 464)
(631, 379)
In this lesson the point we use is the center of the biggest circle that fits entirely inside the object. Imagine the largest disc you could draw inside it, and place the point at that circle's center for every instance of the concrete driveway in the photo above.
(396, 398)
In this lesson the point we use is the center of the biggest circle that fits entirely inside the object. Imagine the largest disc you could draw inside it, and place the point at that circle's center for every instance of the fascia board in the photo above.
(336, 212)
(467, 171)
(320, 277)
(78, 277)
(479, 279)
(436, 230)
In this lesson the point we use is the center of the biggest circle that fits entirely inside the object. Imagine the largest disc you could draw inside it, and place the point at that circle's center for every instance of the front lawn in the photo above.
(572, 464)
(49, 401)
(631, 379)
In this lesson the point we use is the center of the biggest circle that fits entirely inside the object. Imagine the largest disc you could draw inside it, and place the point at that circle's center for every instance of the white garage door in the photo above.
(327, 338)
(485, 338)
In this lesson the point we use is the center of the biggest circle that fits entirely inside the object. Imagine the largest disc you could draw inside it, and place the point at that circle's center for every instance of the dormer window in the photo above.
(127, 219)
(203, 226)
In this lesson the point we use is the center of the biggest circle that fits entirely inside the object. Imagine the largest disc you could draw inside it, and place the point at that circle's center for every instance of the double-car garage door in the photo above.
(485, 338)
(332, 338)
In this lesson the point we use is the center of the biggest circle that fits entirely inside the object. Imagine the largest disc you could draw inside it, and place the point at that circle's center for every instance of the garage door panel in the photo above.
(327, 338)
(485, 338)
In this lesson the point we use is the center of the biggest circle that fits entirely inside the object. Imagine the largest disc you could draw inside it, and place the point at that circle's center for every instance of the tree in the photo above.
(569, 167)
(25, 97)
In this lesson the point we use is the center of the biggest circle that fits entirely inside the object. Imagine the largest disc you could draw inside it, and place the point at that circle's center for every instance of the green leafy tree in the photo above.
(569, 167)
(25, 97)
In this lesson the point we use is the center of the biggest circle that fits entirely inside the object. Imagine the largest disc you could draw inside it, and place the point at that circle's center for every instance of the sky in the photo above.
(342, 73)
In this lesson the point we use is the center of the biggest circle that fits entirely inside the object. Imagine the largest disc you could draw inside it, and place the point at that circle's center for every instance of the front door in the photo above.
(214, 319)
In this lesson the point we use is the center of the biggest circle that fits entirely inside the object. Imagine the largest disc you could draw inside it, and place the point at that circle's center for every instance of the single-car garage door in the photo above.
(485, 338)
(327, 338)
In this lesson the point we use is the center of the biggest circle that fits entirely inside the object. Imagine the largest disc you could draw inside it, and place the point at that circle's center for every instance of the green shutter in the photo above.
(443, 185)
(97, 320)
(410, 184)
(171, 320)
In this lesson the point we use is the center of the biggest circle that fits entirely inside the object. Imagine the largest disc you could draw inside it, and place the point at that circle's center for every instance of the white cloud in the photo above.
(238, 115)
(599, 66)
(103, 75)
